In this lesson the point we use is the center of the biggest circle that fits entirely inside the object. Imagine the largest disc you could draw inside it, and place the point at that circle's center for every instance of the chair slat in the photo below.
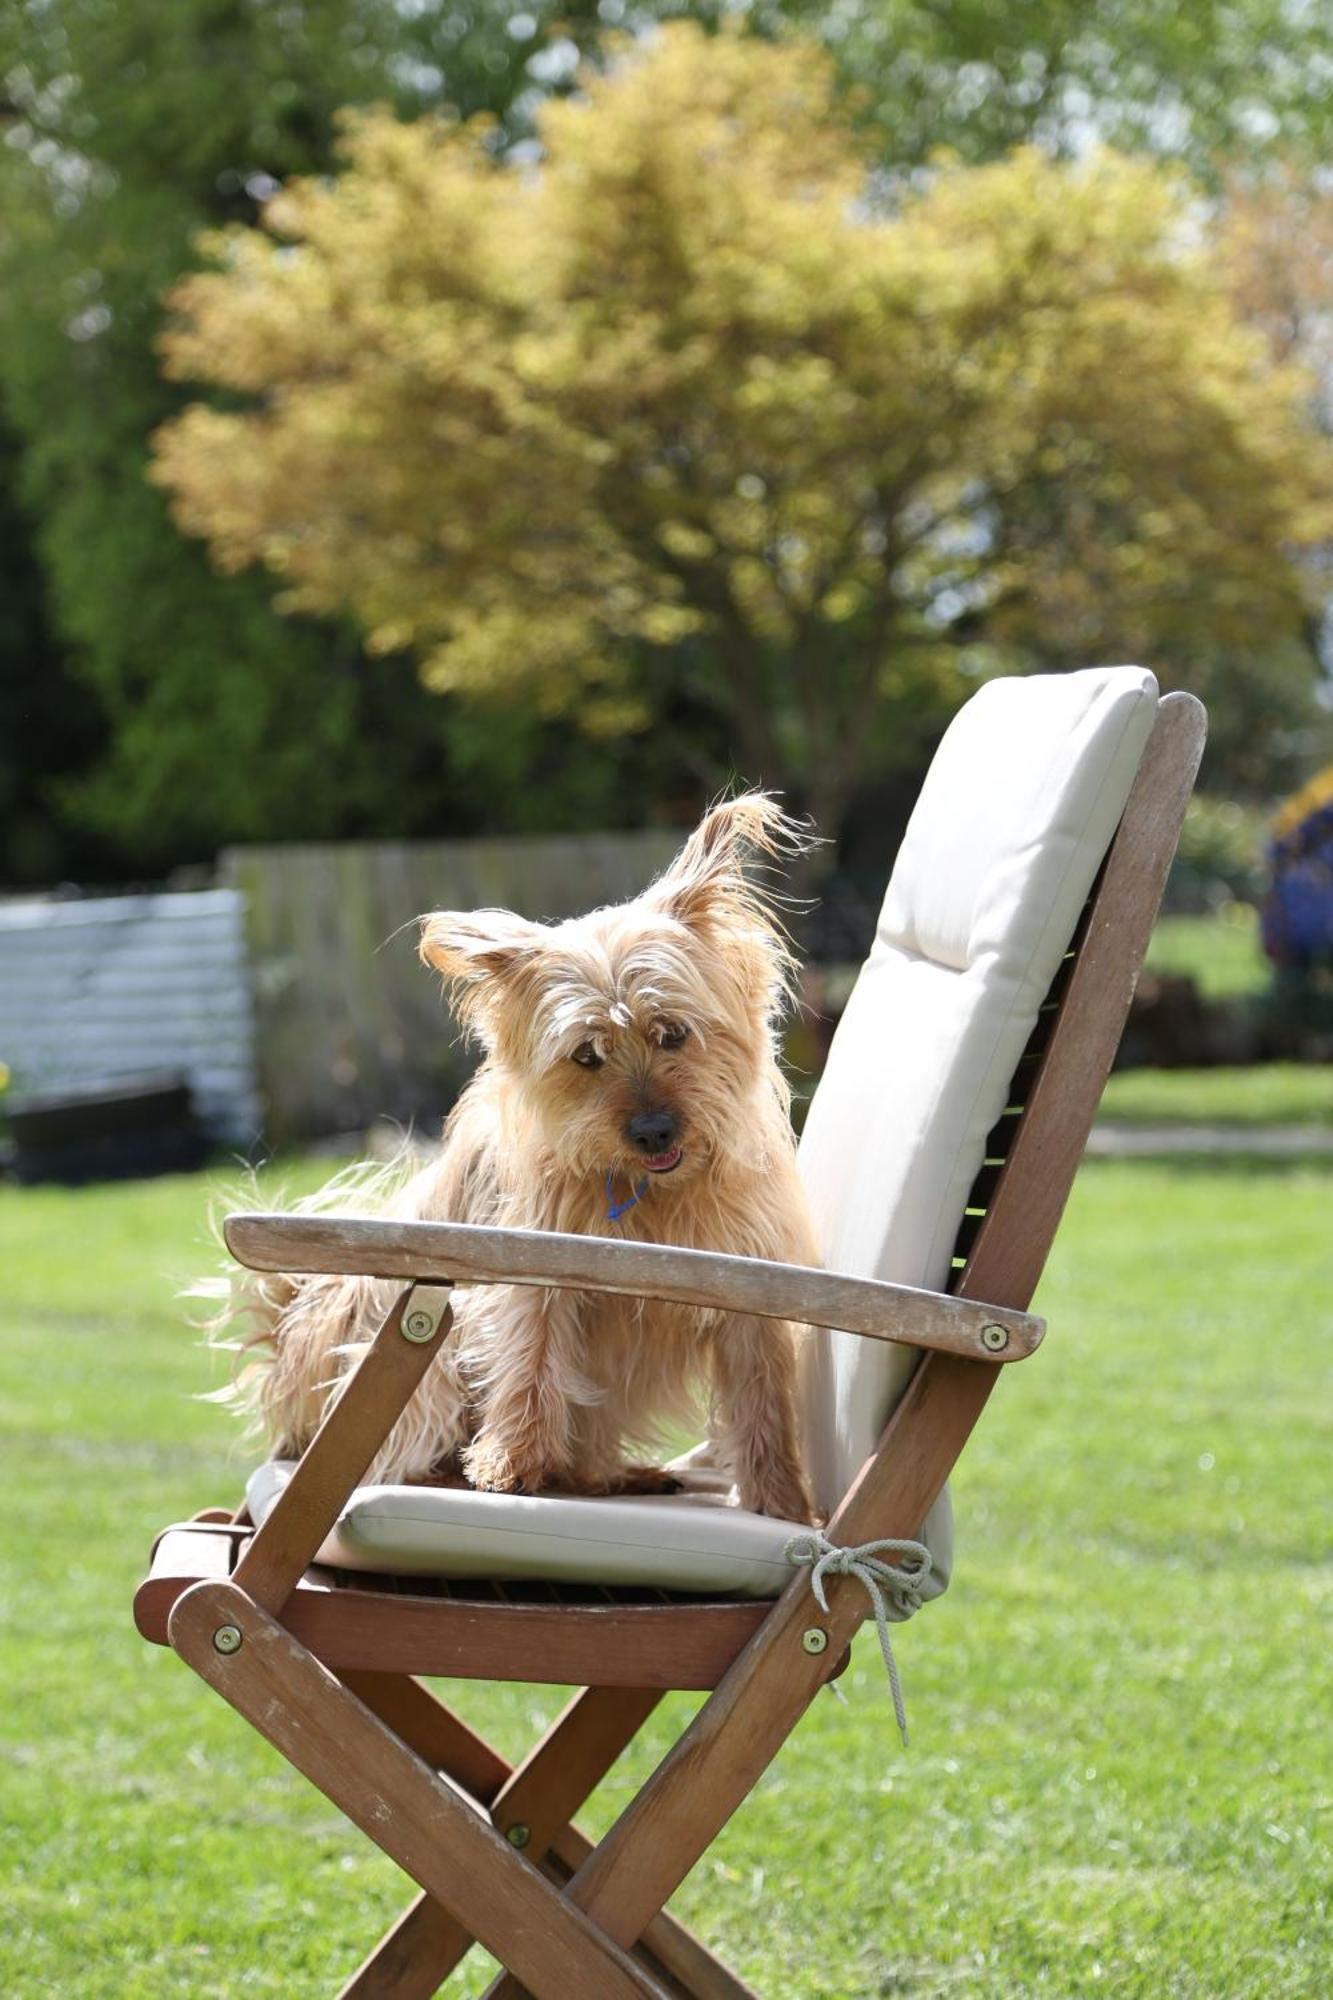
(420, 1625)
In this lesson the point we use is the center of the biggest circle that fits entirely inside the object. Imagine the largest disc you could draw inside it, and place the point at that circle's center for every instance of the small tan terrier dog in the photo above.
(630, 1087)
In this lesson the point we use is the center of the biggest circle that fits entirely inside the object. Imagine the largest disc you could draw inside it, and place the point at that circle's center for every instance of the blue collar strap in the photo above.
(615, 1209)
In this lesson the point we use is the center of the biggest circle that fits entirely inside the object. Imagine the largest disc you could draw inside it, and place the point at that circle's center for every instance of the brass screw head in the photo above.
(994, 1337)
(227, 1639)
(419, 1326)
(518, 1835)
(814, 1639)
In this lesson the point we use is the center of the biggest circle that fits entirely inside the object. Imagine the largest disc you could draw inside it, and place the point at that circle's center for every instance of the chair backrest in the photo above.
(1013, 823)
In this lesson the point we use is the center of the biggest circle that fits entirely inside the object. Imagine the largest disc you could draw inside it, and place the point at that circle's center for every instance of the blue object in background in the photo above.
(1296, 918)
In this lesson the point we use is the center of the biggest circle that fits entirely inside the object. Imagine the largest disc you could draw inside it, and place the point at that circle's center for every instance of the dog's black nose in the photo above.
(653, 1132)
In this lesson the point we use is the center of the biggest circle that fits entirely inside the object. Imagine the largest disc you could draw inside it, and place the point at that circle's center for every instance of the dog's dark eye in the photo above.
(587, 1055)
(673, 1034)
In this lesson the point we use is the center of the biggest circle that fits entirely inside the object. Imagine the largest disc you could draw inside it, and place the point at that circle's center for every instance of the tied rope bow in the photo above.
(885, 1583)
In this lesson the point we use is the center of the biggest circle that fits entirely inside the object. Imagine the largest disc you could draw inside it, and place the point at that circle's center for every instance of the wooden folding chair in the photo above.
(323, 1660)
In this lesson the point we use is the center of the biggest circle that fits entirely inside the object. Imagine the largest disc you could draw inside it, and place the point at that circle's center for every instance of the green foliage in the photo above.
(130, 124)
(687, 395)
(1118, 1731)
(1220, 861)
(46, 729)
(1210, 81)
(162, 709)
(1269, 723)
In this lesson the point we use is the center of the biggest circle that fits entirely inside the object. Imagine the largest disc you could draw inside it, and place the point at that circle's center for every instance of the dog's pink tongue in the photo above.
(660, 1163)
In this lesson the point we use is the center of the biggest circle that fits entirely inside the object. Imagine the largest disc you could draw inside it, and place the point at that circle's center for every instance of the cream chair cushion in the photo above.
(1011, 827)
(696, 1542)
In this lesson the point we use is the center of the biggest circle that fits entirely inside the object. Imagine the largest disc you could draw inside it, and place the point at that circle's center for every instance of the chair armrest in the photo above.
(464, 1254)
(354, 1426)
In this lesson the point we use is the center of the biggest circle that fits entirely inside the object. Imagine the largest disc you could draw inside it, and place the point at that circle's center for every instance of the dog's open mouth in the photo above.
(664, 1163)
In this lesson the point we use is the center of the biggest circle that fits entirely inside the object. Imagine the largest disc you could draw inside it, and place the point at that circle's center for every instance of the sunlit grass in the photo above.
(1265, 1094)
(1119, 1746)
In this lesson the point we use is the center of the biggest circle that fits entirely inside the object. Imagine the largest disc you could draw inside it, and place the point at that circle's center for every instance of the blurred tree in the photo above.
(1212, 81)
(1276, 248)
(1273, 720)
(685, 407)
(164, 708)
(48, 729)
(170, 694)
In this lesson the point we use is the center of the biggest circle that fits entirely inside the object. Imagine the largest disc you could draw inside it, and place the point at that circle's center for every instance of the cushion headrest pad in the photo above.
(1013, 822)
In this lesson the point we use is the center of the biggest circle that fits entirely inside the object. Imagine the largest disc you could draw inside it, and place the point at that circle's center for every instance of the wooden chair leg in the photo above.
(439, 1737)
(643, 1862)
(416, 1714)
(746, 1720)
(530, 1806)
(743, 1724)
(414, 1958)
(403, 1964)
(391, 1794)
(668, 1949)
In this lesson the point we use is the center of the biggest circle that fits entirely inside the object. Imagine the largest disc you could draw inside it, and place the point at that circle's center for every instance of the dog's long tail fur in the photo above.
(296, 1339)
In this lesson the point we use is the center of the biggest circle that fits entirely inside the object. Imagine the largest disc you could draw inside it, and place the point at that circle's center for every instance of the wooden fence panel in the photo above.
(350, 1026)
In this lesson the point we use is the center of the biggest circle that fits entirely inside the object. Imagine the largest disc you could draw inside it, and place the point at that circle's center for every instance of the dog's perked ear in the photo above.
(708, 877)
(476, 951)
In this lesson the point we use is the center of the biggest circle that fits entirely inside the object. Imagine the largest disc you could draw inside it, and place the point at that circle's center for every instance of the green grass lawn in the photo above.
(1119, 1724)
(1266, 1094)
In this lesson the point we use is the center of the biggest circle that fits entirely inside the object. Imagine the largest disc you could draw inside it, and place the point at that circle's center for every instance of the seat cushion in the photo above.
(695, 1542)
(1014, 819)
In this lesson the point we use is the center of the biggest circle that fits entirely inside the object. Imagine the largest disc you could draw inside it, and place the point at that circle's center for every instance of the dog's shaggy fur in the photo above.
(632, 1049)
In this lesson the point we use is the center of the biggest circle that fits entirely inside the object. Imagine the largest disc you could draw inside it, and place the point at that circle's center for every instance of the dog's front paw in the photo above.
(640, 1479)
(780, 1493)
(491, 1468)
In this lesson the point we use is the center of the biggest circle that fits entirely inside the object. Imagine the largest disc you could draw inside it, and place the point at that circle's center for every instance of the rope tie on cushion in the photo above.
(885, 1583)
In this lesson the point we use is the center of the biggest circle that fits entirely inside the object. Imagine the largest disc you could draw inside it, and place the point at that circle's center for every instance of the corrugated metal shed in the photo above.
(112, 986)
